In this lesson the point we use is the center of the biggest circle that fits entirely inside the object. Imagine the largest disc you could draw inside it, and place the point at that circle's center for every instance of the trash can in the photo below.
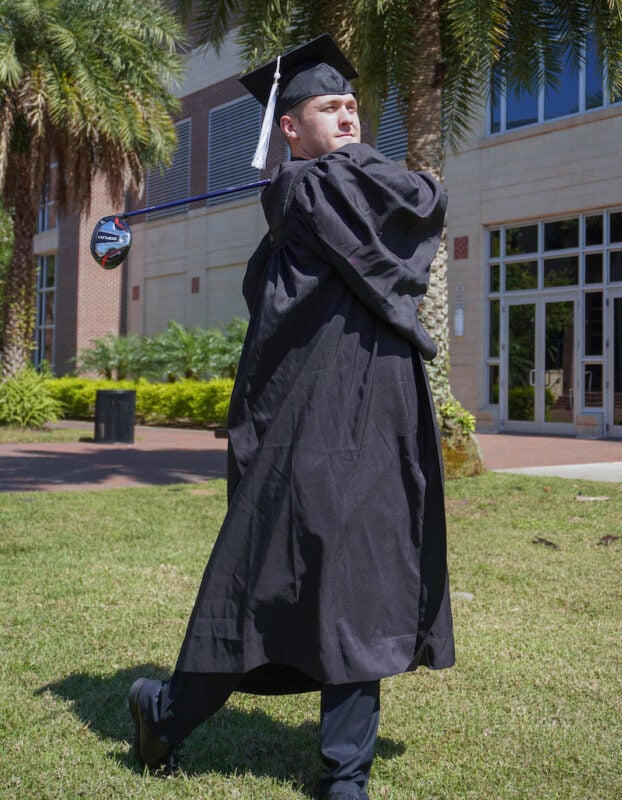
(115, 412)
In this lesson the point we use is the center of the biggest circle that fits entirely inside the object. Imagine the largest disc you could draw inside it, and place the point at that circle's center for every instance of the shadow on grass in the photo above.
(233, 741)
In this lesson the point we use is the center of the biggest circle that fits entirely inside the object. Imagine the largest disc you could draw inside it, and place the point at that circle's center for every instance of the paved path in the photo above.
(162, 456)
(158, 456)
(587, 459)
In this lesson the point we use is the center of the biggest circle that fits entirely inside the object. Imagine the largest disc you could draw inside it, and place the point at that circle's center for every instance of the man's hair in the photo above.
(296, 111)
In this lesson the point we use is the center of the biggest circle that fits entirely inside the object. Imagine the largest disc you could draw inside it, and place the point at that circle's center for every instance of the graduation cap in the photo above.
(315, 68)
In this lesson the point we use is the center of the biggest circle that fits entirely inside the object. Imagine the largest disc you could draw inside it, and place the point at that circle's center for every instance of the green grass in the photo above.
(14, 435)
(97, 587)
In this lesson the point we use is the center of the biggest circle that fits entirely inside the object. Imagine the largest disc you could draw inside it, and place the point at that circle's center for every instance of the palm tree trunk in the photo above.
(20, 291)
(425, 152)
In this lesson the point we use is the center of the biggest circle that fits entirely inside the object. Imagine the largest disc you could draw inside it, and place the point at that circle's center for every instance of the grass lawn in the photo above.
(14, 435)
(97, 588)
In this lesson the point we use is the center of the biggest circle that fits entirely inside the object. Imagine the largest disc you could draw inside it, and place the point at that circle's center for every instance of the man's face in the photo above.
(321, 124)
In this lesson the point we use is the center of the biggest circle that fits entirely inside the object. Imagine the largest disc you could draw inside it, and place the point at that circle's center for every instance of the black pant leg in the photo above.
(176, 707)
(348, 728)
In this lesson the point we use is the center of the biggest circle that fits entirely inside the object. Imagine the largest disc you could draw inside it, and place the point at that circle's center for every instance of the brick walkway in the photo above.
(506, 451)
(159, 456)
(163, 456)
(564, 457)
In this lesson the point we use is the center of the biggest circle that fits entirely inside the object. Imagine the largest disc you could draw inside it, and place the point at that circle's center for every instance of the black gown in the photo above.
(330, 566)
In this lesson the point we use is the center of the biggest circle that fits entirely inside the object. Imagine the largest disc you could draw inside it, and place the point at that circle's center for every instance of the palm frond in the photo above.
(211, 20)
(10, 68)
(90, 84)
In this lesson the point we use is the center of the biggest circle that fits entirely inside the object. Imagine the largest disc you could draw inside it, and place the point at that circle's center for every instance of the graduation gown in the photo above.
(330, 566)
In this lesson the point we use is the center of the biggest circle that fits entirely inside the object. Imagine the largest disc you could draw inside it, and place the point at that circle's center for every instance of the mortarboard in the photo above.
(315, 68)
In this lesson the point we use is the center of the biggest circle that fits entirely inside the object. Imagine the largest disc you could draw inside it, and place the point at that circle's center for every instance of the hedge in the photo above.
(196, 403)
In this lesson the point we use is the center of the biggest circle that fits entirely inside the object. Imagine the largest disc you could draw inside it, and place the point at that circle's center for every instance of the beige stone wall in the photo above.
(555, 169)
(204, 67)
(189, 267)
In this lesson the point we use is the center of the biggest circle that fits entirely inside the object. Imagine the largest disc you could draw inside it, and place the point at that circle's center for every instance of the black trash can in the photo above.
(115, 413)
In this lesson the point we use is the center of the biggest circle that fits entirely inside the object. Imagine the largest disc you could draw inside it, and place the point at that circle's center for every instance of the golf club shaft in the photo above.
(208, 196)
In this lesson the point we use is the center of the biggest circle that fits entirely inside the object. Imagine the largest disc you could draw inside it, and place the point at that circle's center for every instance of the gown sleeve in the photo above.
(379, 226)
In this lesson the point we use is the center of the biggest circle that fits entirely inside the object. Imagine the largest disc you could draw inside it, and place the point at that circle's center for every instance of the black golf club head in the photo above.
(111, 241)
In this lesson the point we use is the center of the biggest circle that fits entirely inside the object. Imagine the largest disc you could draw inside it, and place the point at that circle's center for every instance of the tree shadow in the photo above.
(108, 466)
(233, 741)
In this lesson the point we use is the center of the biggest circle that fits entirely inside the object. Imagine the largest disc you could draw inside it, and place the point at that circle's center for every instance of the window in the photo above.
(521, 108)
(593, 267)
(47, 207)
(45, 328)
(521, 240)
(392, 139)
(164, 186)
(578, 89)
(582, 255)
(562, 271)
(615, 227)
(594, 229)
(561, 235)
(594, 90)
(593, 341)
(521, 275)
(615, 266)
(563, 98)
(233, 135)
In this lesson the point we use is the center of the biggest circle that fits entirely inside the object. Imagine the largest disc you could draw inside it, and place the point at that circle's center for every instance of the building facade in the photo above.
(534, 234)
(77, 301)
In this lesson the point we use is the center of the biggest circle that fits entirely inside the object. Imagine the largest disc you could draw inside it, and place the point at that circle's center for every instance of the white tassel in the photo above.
(259, 159)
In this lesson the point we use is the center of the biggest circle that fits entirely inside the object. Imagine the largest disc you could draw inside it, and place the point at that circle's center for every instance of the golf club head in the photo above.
(111, 241)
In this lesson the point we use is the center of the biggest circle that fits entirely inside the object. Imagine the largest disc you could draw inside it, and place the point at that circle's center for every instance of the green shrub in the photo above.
(77, 395)
(226, 348)
(520, 403)
(210, 404)
(178, 353)
(189, 402)
(454, 418)
(25, 400)
(186, 402)
(73, 394)
(111, 356)
(162, 403)
(148, 406)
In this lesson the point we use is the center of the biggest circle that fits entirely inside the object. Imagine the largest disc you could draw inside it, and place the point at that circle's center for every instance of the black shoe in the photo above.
(339, 796)
(149, 750)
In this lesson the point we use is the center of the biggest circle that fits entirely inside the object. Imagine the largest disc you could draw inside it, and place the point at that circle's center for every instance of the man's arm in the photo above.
(379, 226)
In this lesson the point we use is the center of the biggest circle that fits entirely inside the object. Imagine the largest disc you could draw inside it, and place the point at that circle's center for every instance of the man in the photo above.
(329, 571)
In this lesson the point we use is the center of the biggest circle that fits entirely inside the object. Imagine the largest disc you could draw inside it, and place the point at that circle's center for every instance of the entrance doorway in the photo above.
(614, 379)
(538, 364)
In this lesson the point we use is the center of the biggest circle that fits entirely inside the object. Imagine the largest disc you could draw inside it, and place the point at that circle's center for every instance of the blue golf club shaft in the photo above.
(208, 196)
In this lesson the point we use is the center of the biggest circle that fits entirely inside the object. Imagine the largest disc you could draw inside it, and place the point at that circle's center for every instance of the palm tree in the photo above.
(6, 249)
(440, 55)
(180, 353)
(84, 84)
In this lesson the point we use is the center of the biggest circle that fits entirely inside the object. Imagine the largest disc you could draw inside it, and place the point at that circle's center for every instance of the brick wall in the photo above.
(66, 293)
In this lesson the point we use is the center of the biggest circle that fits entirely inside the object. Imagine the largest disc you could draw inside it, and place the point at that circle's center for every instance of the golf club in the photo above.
(112, 237)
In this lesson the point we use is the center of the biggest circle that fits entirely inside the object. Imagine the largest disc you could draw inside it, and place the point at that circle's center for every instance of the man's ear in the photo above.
(289, 126)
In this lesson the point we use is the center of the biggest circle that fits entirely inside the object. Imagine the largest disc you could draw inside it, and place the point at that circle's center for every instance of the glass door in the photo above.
(538, 370)
(518, 373)
(559, 366)
(614, 382)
